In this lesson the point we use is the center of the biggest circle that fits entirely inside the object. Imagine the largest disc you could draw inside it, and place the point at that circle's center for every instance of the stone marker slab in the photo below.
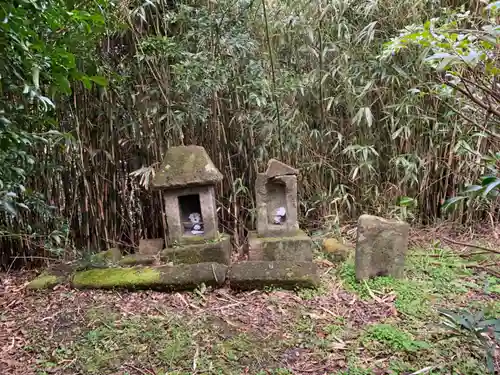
(271, 193)
(217, 251)
(151, 246)
(381, 247)
(259, 274)
(179, 277)
(293, 248)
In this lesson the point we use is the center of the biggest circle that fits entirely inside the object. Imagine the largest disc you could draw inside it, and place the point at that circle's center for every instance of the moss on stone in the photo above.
(186, 166)
(116, 278)
(184, 276)
(45, 281)
(196, 240)
(218, 252)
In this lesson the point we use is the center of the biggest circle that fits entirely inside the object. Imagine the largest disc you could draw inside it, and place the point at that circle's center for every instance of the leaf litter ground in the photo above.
(380, 327)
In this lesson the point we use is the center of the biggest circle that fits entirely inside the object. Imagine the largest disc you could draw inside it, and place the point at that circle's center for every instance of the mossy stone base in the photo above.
(45, 281)
(218, 251)
(136, 260)
(185, 276)
(285, 274)
(293, 248)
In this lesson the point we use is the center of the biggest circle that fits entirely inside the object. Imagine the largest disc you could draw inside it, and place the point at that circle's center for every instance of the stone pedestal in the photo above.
(279, 252)
(293, 248)
(218, 251)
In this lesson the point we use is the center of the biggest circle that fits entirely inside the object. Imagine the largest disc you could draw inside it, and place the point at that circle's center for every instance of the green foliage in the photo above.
(462, 48)
(439, 274)
(485, 332)
(130, 80)
(39, 62)
(411, 295)
(393, 338)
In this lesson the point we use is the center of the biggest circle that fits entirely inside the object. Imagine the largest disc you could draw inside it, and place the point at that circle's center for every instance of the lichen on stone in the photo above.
(186, 166)
(116, 278)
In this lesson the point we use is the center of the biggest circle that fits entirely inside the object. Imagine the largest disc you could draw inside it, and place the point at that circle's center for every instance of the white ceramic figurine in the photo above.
(195, 219)
(279, 215)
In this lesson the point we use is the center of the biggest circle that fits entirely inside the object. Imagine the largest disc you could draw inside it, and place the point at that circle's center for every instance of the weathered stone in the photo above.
(277, 168)
(137, 259)
(214, 251)
(151, 246)
(286, 274)
(274, 192)
(294, 248)
(186, 166)
(184, 276)
(381, 247)
(335, 250)
(45, 281)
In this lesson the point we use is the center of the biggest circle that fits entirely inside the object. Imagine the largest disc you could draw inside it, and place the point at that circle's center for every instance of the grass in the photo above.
(166, 344)
(344, 327)
(432, 275)
(393, 339)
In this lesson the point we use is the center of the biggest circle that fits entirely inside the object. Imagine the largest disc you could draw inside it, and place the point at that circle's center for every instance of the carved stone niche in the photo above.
(276, 196)
(187, 178)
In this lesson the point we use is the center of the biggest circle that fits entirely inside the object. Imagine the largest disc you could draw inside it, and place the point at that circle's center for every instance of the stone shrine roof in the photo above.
(277, 168)
(185, 166)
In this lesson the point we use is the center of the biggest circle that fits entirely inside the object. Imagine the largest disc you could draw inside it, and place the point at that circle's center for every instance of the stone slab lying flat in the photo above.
(286, 274)
(293, 248)
(381, 247)
(217, 251)
(136, 260)
(184, 276)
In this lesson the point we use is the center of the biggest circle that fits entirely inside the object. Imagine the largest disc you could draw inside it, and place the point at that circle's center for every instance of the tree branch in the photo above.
(471, 245)
(474, 99)
(482, 127)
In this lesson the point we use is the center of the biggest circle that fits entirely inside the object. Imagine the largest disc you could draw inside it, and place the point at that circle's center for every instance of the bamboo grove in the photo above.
(92, 98)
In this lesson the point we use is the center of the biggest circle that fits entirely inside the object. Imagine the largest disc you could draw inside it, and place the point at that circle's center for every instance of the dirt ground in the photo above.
(384, 326)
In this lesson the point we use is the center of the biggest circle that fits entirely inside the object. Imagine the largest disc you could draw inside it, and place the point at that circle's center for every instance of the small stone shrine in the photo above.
(187, 179)
(280, 253)
(278, 236)
(381, 247)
